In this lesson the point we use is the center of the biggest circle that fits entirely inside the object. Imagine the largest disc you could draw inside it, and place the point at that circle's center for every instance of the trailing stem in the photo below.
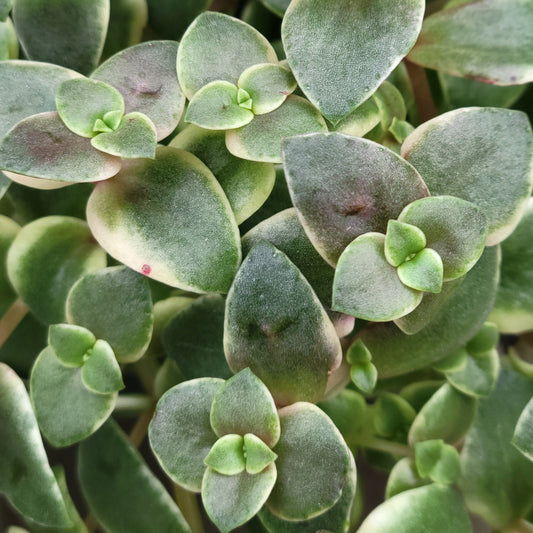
(12, 319)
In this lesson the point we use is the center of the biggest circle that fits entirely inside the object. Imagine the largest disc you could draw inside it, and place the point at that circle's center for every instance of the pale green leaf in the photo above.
(523, 433)
(424, 272)
(226, 457)
(361, 120)
(70, 343)
(403, 476)
(9, 48)
(100, 371)
(258, 454)
(437, 461)
(8, 232)
(401, 241)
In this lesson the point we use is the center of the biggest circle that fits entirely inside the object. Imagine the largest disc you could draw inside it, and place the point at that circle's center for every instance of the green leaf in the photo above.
(145, 75)
(401, 241)
(523, 433)
(390, 104)
(277, 6)
(424, 272)
(9, 48)
(430, 508)
(8, 232)
(26, 477)
(216, 107)
(361, 120)
(438, 461)
(401, 129)
(267, 85)
(488, 157)
(261, 139)
(456, 322)
(45, 260)
(180, 432)
(66, 409)
(222, 35)
(447, 415)
(479, 375)
(119, 486)
(5, 8)
(116, 305)
(231, 501)
(484, 340)
(100, 371)
(169, 219)
(367, 286)
(244, 405)
(392, 416)
(70, 343)
(282, 333)
(226, 457)
(404, 476)
(486, 40)
(513, 310)
(358, 353)
(417, 393)
(452, 362)
(247, 184)
(41, 146)
(324, 52)
(497, 480)
(80, 102)
(321, 168)
(364, 376)
(258, 454)
(72, 37)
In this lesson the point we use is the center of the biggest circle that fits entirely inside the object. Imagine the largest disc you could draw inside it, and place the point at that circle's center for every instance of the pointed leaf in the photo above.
(261, 139)
(45, 260)
(247, 184)
(119, 486)
(216, 107)
(321, 168)
(454, 228)
(487, 40)
(41, 146)
(364, 376)
(66, 410)
(367, 286)
(148, 218)
(302, 492)
(82, 101)
(424, 272)
(223, 36)
(283, 334)
(180, 432)
(26, 478)
(231, 501)
(244, 405)
(226, 457)
(258, 454)
(437, 461)
(70, 343)
(268, 86)
(523, 433)
(100, 371)
(72, 37)
(401, 241)
(145, 75)
(324, 52)
(488, 161)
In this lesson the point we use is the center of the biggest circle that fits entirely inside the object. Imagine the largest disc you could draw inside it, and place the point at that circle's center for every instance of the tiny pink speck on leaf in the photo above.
(146, 269)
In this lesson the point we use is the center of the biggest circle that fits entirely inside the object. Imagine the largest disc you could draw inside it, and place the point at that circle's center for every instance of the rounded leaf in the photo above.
(361, 120)
(70, 343)
(523, 433)
(226, 457)
(424, 272)
(8, 232)
(258, 454)
(364, 376)
(100, 371)
(401, 241)
(169, 219)
(403, 476)
(437, 461)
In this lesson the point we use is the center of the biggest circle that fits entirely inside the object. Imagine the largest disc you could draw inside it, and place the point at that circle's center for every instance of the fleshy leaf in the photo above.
(358, 353)
(345, 186)
(401, 241)
(258, 454)
(234, 46)
(45, 260)
(9, 48)
(364, 376)
(484, 340)
(135, 136)
(267, 85)
(226, 457)
(454, 361)
(82, 101)
(392, 416)
(361, 120)
(247, 184)
(523, 433)
(148, 218)
(300, 492)
(404, 476)
(277, 6)
(230, 501)
(72, 37)
(261, 139)
(390, 104)
(489, 460)
(70, 343)
(454, 228)
(488, 161)
(26, 477)
(5, 8)
(438, 461)
(100, 371)
(424, 272)
(401, 129)
(8, 232)
(486, 40)
(244, 405)
(283, 333)
(41, 146)
(215, 107)
(145, 75)
(367, 286)
(66, 410)
(338, 68)
(119, 486)
(180, 432)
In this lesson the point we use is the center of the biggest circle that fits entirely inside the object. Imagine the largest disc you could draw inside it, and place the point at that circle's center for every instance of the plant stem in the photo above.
(12, 319)
(188, 504)
(520, 526)
(423, 98)
(138, 433)
(90, 523)
(146, 369)
(132, 404)
(396, 448)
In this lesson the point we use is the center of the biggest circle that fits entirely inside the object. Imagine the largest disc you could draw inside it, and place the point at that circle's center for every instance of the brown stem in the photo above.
(188, 504)
(520, 526)
(12, 319)
(138, 433)
(423, 98)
